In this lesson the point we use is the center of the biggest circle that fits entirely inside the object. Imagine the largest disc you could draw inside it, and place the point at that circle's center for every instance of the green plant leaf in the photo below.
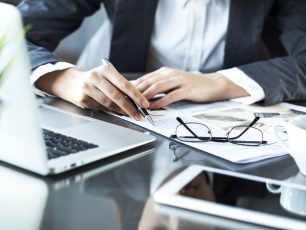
(3, 42)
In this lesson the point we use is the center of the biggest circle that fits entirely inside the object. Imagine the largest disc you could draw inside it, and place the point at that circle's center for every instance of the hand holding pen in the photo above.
(101, 88)
(141, 109)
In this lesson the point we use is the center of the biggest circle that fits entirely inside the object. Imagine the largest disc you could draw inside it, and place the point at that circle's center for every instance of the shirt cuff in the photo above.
(44, 69)
(241, 79)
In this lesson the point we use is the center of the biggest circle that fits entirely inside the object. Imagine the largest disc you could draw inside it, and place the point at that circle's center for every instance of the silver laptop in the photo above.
(66, 141)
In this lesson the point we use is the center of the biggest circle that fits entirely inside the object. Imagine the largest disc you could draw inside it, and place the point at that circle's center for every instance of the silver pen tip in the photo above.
(150, 120)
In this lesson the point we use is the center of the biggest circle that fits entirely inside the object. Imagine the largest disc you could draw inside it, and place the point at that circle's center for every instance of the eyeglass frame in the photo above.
(220, 139)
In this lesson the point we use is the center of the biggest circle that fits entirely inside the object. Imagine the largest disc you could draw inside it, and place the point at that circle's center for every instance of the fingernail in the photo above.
(145, 103)
(137, 116)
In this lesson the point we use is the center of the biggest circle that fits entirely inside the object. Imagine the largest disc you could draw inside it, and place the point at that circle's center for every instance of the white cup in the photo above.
(292, 199)
(296, 134)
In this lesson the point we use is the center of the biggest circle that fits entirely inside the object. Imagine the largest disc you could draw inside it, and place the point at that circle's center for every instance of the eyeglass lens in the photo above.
(200, 132)
(251, 137)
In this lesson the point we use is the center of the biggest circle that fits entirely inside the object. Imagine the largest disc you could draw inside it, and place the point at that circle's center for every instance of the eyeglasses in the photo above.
(183, 154)
(198, 132)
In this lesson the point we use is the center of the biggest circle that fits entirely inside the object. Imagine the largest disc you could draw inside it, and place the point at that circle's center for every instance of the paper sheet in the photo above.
(220, 117)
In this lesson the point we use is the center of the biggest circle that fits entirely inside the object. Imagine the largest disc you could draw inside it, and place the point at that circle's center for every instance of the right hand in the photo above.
(102, 88)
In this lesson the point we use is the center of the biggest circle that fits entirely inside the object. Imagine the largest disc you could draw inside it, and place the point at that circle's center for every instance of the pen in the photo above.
(141, 110)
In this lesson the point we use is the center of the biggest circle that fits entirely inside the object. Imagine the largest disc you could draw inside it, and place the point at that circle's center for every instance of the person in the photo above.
(195, 50)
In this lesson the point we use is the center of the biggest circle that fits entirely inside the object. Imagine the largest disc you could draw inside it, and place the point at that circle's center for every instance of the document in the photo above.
(220, 117)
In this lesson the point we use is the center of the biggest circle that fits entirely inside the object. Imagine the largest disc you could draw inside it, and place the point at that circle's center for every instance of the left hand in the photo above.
(180, 85)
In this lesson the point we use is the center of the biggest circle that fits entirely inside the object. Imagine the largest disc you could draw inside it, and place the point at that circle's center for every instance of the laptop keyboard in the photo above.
(60, 145)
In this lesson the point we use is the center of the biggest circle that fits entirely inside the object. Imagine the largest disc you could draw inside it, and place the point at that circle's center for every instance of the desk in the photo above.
(112, 193)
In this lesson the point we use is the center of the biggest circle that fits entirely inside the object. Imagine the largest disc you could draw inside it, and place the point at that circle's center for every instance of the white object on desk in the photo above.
(171, 194)
(296, 130)
(291, 199)
(21, 139)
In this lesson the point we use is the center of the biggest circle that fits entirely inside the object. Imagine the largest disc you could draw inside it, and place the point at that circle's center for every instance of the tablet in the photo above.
(252, 199)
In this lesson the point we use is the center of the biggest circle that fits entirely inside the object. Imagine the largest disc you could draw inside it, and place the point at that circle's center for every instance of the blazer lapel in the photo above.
(132, 28)
(246, 20)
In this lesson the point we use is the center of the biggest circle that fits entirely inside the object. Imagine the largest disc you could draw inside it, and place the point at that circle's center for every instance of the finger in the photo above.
(173, 96)
(104, 101)
(153, 77)
(90, 103)
(145, 84)
(97, 95)
(162, 86)
(146, 76)
(124, 85)
(160, 71)
(148, 80)
(94, 105)
(117, 97)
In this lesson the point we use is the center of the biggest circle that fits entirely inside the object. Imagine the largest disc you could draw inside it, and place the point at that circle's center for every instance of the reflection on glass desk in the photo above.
(115, 193)
(237, 196)
(63, 201)
(292, 194)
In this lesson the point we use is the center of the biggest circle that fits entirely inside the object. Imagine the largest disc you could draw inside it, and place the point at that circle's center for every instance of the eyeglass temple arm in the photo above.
(184, 124)
(246, 129)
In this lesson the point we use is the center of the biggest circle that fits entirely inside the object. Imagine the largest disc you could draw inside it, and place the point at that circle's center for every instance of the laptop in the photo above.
(43, 139)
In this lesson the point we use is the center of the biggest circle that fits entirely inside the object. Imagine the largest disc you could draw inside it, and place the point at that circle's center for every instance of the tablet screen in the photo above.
(207, 190)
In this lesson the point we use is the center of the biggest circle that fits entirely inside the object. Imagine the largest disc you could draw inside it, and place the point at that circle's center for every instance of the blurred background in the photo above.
(71, 47)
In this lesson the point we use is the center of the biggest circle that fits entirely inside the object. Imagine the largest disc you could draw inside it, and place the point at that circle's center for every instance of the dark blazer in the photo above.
(282, 78)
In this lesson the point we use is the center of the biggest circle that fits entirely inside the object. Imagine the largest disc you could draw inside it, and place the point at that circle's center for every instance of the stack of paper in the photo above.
(220, 117)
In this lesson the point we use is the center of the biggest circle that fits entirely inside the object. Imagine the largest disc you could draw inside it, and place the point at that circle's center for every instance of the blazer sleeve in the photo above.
(51, 21)
(284, 78)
